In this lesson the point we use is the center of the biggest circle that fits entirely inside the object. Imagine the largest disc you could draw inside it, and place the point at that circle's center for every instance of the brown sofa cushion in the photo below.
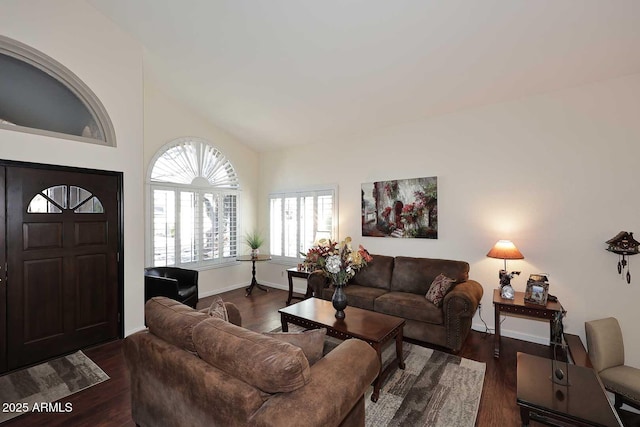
(361, 296)
(377, 273)
(311, 342)
(271, 365)
(172, 321)
(415, 275)
(409, 306)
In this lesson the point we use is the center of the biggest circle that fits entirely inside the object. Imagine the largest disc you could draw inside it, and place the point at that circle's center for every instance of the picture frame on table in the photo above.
(537, 292)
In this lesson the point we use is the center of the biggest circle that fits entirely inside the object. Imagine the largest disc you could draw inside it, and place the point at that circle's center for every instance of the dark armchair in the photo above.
(176, 283)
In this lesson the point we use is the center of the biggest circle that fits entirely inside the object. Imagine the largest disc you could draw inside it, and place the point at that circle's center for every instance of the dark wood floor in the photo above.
(108, 403)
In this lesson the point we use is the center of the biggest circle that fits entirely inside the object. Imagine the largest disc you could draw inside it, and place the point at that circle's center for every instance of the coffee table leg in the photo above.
(285, 324)
(524, 417)
(399, 350)
(377, 383)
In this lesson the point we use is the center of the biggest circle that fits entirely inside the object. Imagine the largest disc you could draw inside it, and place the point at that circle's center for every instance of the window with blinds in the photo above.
(194, 198)
(299, 219)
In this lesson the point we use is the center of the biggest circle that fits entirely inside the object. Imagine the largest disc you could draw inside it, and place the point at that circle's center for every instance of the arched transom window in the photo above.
(40, 95)
(194, 193)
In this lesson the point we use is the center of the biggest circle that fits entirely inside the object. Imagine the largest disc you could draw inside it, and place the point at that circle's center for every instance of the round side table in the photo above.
(254, 282)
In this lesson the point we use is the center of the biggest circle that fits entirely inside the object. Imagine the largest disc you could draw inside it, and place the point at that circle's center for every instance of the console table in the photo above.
(254, 282)
(522, 308)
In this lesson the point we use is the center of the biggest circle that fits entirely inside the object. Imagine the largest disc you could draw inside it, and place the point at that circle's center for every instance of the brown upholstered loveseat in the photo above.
(397, 286)
(190, 369)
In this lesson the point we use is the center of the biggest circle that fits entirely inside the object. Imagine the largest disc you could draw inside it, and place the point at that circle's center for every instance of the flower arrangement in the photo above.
(338, 260)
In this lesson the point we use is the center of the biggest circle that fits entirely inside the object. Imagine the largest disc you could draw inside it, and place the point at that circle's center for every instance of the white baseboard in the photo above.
(513, 334)
(297, 289)
(133, 331)
(221, 290)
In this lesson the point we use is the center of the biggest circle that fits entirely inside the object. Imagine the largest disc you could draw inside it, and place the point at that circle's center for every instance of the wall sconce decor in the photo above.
(624, 245)
(505, 249)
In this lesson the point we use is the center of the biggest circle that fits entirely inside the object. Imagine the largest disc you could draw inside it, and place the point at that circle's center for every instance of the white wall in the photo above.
(555, 173)
(166, 119)
(110, 63)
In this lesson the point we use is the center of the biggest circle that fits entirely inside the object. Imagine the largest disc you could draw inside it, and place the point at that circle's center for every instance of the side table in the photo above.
(302, 274)
(254, 282)
(522, 308)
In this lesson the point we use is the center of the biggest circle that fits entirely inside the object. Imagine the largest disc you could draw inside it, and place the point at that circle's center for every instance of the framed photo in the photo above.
(537, 292)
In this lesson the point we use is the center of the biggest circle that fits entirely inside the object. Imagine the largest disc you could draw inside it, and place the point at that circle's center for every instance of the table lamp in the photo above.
(505, 249)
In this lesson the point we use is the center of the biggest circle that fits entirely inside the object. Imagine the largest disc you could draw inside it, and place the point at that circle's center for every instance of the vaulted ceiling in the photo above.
(276, 73)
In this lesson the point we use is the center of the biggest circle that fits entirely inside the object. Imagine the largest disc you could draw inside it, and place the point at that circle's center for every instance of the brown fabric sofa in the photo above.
(397, 286)
(190, 369)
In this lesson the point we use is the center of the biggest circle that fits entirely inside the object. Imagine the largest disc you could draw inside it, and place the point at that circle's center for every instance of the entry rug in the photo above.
(435, 389)
(38, 388)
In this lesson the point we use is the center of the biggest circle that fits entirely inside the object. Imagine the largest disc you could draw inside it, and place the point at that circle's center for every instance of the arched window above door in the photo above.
(40, 95)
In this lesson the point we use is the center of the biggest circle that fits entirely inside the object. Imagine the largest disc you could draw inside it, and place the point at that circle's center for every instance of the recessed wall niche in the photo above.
(40, 95)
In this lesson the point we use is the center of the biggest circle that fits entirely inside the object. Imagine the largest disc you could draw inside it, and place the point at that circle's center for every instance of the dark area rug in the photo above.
(38, 387)
(435, 389)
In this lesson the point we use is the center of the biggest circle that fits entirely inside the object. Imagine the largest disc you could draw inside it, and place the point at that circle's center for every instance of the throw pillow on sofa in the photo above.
(218, 309)
(438, 289)
(311, 342)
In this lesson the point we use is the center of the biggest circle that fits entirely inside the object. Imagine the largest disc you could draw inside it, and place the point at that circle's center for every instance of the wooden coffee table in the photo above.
(377, 329)
(582, 403)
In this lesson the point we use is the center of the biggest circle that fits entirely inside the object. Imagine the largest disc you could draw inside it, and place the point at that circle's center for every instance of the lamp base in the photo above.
(507, 292)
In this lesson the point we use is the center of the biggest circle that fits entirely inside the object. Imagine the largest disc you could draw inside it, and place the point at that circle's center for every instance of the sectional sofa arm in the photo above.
(458, 309)
(338, 381)
(463, 300)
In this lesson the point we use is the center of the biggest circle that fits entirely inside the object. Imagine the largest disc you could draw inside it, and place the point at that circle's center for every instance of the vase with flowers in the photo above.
(339, 262)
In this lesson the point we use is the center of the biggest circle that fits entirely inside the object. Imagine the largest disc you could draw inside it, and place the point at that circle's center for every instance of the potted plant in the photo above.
(254, 240)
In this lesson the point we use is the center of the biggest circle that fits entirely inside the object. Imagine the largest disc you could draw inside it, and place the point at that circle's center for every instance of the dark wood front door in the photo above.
(62, 231)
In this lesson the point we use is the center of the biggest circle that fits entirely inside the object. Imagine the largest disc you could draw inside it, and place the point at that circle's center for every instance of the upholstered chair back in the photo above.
(604, 342)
